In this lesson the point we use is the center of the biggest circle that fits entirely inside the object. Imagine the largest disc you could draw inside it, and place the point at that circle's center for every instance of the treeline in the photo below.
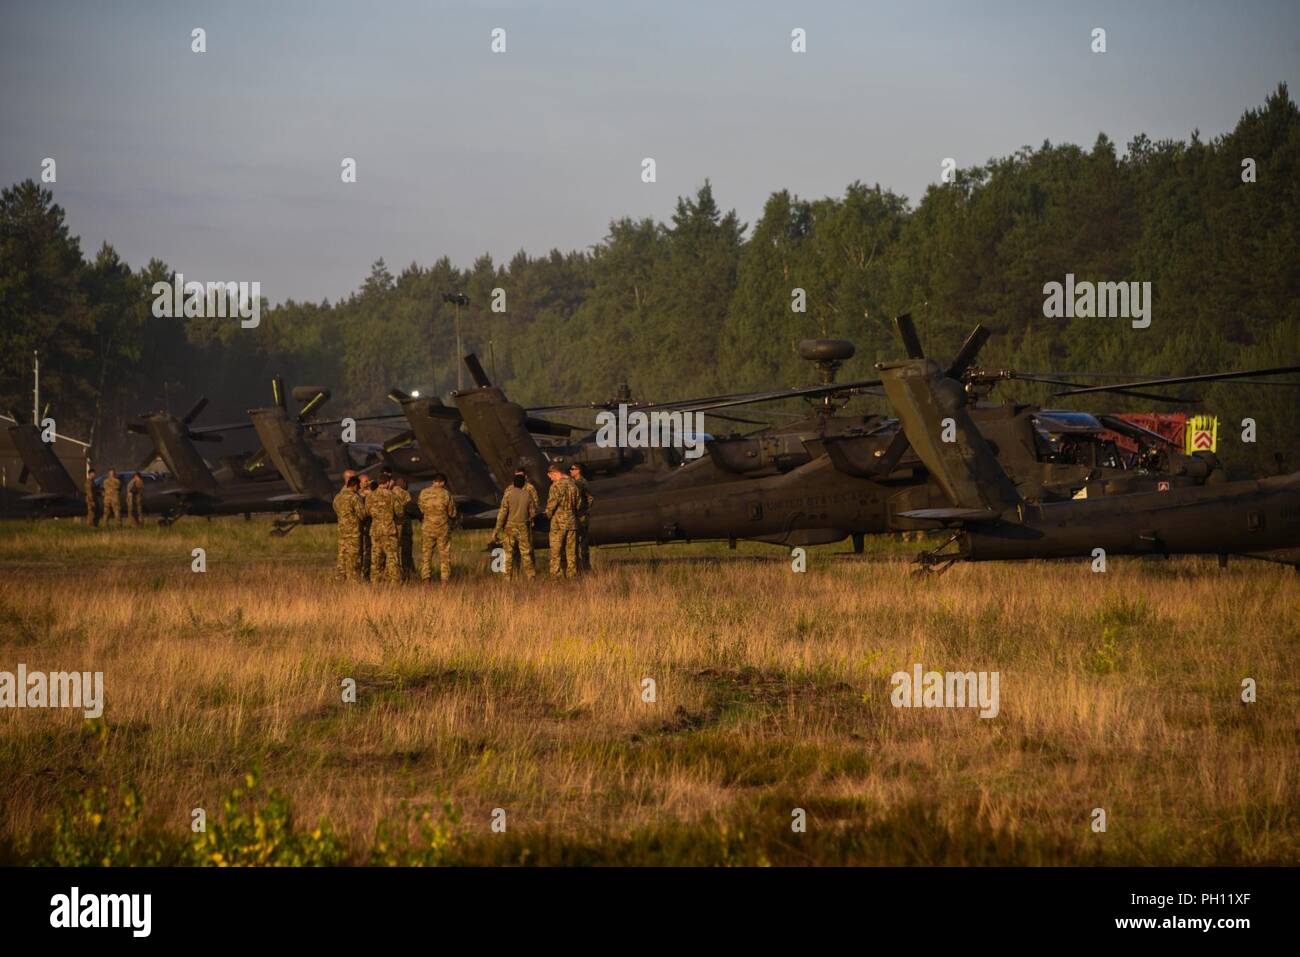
(703, 303)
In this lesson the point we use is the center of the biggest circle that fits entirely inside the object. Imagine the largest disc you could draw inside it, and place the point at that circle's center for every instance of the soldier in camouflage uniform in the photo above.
(405, 533)
(585, 498)
(92, 509)
(350, 507)
(112, 498)
(514, 527)
(385, 513)
(364, 491)
(135, 500)
(521, 481)
(531, 489)
(562, 510)
(438, 508)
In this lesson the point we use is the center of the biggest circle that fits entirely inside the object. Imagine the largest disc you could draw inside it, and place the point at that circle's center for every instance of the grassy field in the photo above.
(1119, 691)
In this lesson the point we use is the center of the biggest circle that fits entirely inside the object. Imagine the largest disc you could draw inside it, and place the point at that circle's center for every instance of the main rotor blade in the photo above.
(704, 403)
(231, 427)
(538, 426)
(194, 412)
(907, 332)
(357, 418)
(312, 404)
(277, 391)
(567, 408)
(1208, 377)
(634, 403)
(773, 395)
(1150, 396)
(476, 371)
(1134, 375)
(736, 418)
(236, 426)
(966, 354)
(397, 441)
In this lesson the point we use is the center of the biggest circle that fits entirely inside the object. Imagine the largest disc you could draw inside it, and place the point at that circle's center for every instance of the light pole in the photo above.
(458, 299)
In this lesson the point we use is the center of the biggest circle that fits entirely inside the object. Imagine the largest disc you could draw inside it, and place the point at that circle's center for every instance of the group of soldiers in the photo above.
(375, 526)
(568, 509)
(104, 503)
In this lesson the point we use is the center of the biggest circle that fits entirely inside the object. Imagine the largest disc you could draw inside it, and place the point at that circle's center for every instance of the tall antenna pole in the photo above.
(36, 387)
(458, 299)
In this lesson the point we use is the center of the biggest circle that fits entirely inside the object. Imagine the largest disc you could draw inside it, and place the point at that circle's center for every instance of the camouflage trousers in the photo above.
(431, 536)
(365, 548)
(518, 537)
(584, 550)
(564, 549)
(91, 512)
(112, 510)
(385, 557)
(135, 509)
(347, 567)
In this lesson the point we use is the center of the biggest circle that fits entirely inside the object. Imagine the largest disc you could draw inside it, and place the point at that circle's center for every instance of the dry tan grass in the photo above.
(1118, 691)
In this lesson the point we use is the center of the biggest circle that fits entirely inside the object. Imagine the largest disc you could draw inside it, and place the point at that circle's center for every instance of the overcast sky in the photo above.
(227, 164)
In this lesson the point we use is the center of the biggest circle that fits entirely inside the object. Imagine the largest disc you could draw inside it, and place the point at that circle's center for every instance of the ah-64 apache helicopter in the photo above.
(826, 476)
(296, 470)
(57, 492)
(994, 521)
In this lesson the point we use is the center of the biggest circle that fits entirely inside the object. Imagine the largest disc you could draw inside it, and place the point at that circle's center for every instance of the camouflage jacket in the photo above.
(112, 487)
(517, 509)
(562, 504)
(350, 508)
(383, 508)
(135, 487)
(437, 506)
(401, 499)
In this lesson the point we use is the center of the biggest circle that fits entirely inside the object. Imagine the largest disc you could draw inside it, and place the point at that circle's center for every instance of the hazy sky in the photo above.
(227, 164)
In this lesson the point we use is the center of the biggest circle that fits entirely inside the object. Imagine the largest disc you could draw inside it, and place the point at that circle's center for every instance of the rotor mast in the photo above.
(828, 355)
